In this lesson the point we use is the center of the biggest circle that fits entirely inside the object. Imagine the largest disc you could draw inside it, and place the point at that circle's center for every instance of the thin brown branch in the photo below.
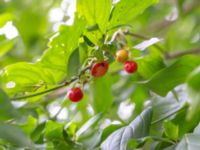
(127, 32)
(54, 88)
(139, 36)
(182, 53)
(46, 91)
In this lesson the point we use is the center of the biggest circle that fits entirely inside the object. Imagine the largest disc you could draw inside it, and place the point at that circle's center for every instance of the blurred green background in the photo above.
(26, 26)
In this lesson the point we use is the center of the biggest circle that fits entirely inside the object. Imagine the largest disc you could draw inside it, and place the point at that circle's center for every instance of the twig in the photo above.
(55, 88)
(139, 36)
(181, 53)
(46, 91)
(127, 32)
(167, 55)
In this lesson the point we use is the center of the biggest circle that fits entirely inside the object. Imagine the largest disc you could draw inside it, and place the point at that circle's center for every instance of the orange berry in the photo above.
(122, 55)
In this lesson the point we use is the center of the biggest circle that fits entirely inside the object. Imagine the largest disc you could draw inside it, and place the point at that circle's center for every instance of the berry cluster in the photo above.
(99, 69)
(130, 66)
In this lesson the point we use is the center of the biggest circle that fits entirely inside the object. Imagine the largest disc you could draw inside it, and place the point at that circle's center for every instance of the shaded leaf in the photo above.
(108, 130)
(138, 128)
(38, 131)
(88, 124)
(74, 63)
(197, 129)
(164, 107)
(7, 111)
(168, 78)
(14, 135)
(5, 46)
(193, 91)
(150, 65)
(189, 142)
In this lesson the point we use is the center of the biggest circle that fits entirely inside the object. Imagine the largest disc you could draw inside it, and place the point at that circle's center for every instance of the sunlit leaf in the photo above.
(125, 11)
(95, 12)
(101, 86)
(171, 130)
(5, 17)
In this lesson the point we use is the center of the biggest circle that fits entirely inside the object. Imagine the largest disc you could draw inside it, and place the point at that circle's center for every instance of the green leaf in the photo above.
(7, 111)
(136, 143)
(149, 65)
(170, 147)
(83, 52)
(189, 142)
(53, 131)
(168, 78)
(51, 68)
(32, 32)
(193, 80)
(89, 124)
(101, 94)
(26, 77)
(171, 130)
(125, 11)
(63, 45)
(108, 130)
(71, 129)
(38, 131)
(5, 46)
(197, 129)
(29, 125)
(193, 91)
(95, 37)
(138, 128)
(95, 12)
(14, 135)
(74, 63)
(5, 17)
(164, 107)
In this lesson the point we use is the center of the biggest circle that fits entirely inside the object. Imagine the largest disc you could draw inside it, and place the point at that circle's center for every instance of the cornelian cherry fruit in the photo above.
(99, 69)
(122, 55)
(130, 66)
(75, 94)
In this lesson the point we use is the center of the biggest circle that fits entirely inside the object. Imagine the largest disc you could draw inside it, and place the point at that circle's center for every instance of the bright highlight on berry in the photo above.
(130, 66)
(99, 69)
(75, 94)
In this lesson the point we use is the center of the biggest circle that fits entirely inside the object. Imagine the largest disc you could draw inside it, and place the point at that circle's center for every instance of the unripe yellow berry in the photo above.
(122, 55)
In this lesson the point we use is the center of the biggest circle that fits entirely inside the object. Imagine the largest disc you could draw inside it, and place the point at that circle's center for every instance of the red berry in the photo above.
(99, 69)
(130, 66)
(75, 94)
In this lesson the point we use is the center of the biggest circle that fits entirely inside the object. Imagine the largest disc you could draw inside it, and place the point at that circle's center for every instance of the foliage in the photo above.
(156, 107)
